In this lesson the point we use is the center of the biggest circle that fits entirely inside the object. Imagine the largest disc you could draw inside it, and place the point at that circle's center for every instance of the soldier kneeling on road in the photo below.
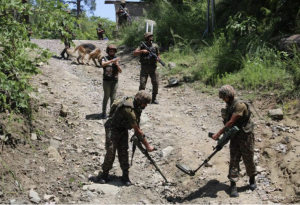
(124, 115)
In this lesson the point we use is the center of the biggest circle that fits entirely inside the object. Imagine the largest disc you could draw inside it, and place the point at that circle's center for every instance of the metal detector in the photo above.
(221, 142)
(191, 172)
(137, 143)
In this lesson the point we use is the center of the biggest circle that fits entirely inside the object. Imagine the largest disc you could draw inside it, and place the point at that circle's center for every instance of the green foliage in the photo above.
(183, 20)
(17, 64)
(133, 35)
(88, 25)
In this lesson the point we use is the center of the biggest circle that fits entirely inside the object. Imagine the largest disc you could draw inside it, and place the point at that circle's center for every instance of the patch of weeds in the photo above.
(39, 132)
(72, 179)
(290, 105)
(250, 96)
(59, 119)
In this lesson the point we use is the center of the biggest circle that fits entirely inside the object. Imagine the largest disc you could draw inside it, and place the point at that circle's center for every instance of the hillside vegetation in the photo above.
(241, 51)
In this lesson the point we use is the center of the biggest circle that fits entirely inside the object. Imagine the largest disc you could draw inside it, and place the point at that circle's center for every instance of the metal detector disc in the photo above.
(185, 169)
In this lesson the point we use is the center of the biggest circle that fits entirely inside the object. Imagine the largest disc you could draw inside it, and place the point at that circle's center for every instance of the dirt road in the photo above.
(71, 149)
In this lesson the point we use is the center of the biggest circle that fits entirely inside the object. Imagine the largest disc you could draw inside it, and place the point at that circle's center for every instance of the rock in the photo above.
(276, 114)
(1, 194)
(63, 111)
(266, 133)
(111, 189)
(34, 197)
(260, 169)
(43, 169)
(13, 201)
(171, 65)
(45, 83)
(208, 164)
(40, 64)
(53, 154)
(33, 136)
(57, 138)
(185, 65)
(54, 143)
(72, 123)
(48, 197)
(166, 152)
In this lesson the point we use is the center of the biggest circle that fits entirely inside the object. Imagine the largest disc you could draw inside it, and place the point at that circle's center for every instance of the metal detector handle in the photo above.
(137, 142)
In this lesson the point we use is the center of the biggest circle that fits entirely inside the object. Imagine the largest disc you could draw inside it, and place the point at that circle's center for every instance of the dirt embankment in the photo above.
(55, 164)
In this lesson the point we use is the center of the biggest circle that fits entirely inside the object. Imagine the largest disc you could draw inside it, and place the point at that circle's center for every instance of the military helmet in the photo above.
(68, 11)
(146, 35)
(111, 46)
(142, 97)
(173, 81)
(123, 1)
(99, 24)
(226, 91)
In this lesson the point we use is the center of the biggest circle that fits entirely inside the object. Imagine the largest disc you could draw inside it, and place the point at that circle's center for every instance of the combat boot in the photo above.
(252, 183)
(104, 177)
(125, 178)
(154, 101)
(233, 190)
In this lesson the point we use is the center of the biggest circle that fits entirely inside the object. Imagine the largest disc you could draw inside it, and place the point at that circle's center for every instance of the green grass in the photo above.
(262, 71)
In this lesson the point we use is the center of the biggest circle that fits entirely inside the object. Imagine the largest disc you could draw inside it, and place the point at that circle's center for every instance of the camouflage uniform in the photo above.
(242, 144)
(122, 18)
(148, 68)
(100, 34)
(117, 126)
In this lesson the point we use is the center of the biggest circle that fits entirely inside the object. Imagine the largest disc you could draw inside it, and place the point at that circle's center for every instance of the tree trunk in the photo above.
(78, 8)
(25, 17)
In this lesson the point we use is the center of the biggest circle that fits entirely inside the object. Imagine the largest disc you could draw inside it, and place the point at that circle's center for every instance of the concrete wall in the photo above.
(135, 8)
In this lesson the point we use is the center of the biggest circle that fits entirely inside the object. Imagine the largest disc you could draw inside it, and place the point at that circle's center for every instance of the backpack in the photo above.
(117, 104)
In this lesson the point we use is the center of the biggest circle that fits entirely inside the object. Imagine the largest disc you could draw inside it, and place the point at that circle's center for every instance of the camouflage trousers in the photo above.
(241, 146)
(116, 140)
(149, 70)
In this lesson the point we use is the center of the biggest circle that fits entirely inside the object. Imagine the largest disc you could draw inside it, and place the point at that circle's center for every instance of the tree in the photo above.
(17, 61)
(91, 5)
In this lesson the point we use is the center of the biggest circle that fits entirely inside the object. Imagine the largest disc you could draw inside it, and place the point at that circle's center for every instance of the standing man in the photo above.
(123, 14)
(111, 70)
(237, 113)
(148, 66)
(67, 39)
(100, 31)
(124, 117)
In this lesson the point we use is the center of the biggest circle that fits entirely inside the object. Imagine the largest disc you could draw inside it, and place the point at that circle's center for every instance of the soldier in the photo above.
(237, 113)
(111, 69)
(100, 31)
(123, 14)
(67, 40)
(148, 66)
(126, 116)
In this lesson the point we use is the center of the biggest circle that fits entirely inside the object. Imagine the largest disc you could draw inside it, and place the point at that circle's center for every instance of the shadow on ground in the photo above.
(209, 190)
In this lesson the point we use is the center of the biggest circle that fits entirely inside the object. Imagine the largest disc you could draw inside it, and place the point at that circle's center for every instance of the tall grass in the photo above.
(132, 35)
(239, 53)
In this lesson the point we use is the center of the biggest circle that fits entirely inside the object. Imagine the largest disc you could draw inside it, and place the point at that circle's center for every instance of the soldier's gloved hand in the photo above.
(150, 148)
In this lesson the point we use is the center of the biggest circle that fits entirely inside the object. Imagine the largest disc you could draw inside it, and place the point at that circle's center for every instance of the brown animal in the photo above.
(87, 48)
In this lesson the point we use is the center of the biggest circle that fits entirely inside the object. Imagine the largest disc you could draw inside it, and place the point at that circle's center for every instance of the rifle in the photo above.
(151, 53)
(221, 142)
(125, 12)
(137, 143)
